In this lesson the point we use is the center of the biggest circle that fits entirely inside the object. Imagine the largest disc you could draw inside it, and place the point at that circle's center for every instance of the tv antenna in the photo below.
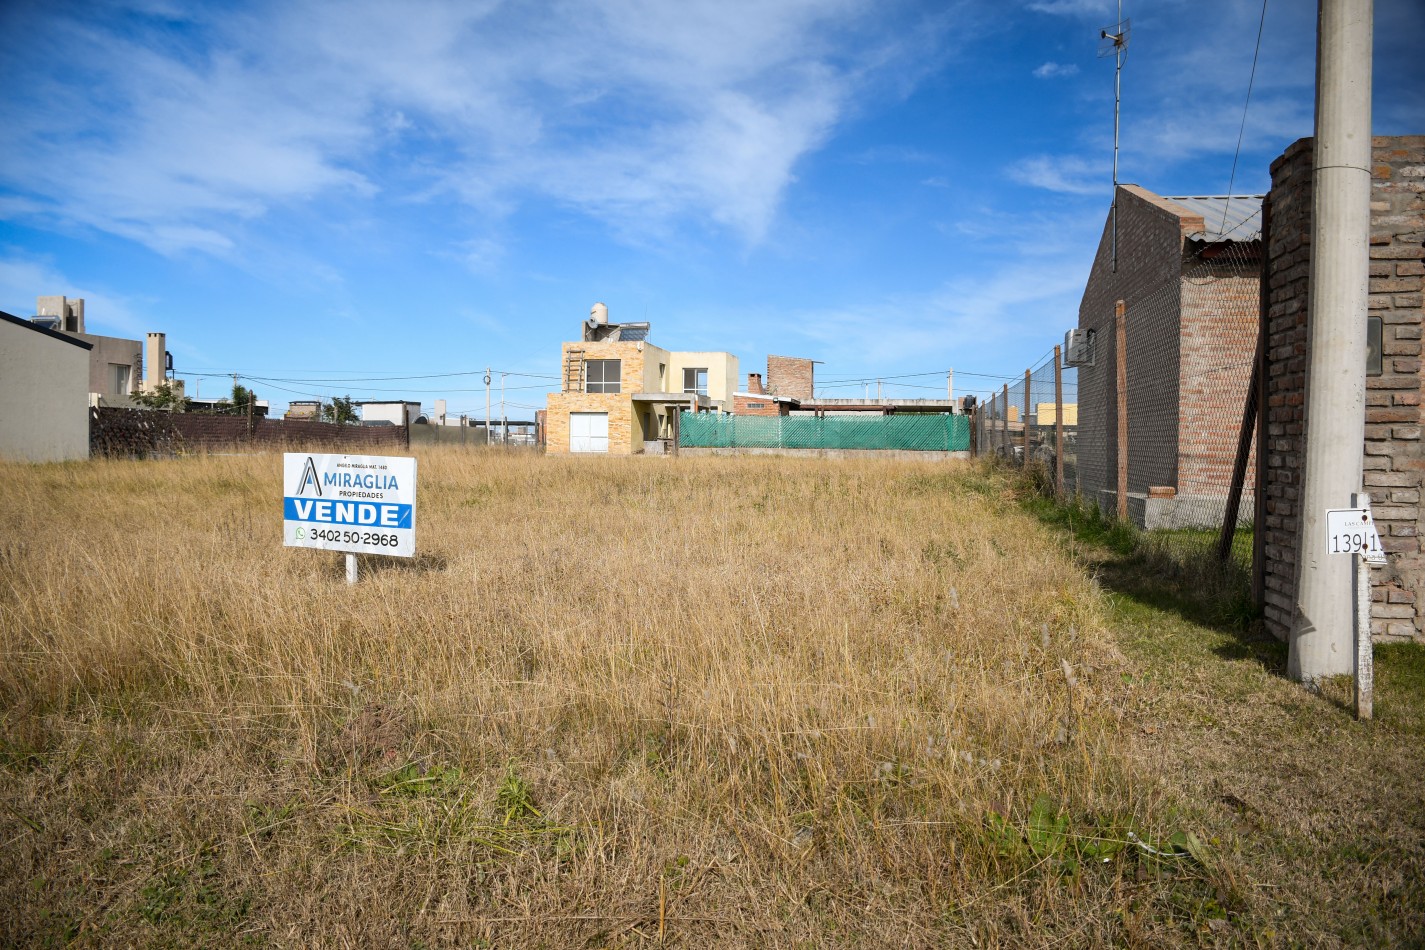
(1113, 41)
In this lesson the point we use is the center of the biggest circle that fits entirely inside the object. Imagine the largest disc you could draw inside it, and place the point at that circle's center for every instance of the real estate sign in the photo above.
(361, 504)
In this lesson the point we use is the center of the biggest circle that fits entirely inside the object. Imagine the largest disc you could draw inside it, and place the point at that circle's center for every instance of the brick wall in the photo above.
(1191, 325)
(1148, 280)
(1221, 314)
(790, 376)
(1392, 456)
(145, 432)
(625, 432)
(743, 405)
(621, 421)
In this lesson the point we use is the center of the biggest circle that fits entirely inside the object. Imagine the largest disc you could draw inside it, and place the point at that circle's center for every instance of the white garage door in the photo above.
(588, 432)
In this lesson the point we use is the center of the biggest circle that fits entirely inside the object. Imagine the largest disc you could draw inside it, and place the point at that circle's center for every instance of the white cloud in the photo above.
(1077, 8)
(967, 322)
(640, 112)
(1068, 174)
(1052, 70)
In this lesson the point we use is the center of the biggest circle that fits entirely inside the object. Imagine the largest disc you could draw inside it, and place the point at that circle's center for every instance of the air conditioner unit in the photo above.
(1078, 347)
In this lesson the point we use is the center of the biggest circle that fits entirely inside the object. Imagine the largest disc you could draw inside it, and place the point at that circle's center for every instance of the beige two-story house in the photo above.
(620, 394)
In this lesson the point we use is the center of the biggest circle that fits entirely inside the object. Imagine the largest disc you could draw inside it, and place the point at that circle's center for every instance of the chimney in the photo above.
(754, 383)
(155, 361)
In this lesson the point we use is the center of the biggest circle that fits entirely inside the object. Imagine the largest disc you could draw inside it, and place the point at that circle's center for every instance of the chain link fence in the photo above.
(924, 433)
(1152, 423)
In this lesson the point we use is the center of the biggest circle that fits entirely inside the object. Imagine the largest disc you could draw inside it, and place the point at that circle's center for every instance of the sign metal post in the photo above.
(1353, 531)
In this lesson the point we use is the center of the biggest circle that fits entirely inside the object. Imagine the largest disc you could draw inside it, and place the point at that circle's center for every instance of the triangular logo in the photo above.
(309, 477)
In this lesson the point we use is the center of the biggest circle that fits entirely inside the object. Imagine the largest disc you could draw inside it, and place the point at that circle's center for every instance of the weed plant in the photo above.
(1182, 563)
(722, 701)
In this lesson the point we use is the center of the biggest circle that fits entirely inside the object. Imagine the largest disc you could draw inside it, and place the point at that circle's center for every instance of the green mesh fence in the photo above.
(924, 433)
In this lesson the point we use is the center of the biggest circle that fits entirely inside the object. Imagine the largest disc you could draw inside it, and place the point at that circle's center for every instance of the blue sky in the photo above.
(301, 191)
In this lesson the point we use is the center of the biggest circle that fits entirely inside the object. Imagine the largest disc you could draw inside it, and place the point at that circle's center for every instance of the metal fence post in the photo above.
(1058, 424)
(1025, 420)
(1120, 323)
(1003, 446)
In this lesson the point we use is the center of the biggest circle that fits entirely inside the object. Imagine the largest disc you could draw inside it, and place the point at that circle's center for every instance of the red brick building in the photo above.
(1187, 270)
(791, 376)
(756, 401)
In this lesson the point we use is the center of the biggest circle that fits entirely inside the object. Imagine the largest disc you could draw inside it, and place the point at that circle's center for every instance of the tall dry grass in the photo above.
(746, 702)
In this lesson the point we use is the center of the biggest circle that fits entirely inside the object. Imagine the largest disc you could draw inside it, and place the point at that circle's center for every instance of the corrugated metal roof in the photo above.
(1243, 221)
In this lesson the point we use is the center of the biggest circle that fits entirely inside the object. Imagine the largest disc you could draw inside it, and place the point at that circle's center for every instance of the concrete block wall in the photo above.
(1392, 455)
(43, 400)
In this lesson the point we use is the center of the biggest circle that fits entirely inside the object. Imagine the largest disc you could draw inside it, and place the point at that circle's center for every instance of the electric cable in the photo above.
(1232, 179)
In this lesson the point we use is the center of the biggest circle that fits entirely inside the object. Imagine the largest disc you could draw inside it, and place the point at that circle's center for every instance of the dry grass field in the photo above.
(687, 702)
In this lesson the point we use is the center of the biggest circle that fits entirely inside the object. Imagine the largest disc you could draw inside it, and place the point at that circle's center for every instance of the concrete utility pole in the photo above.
(487, 405)
(1336, 373)
(950, 385)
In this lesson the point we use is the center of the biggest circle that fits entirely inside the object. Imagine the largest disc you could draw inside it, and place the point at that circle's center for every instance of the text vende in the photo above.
(347, 512)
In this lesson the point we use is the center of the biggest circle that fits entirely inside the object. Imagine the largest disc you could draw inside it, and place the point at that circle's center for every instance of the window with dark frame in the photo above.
(602, 376)
(695, 380)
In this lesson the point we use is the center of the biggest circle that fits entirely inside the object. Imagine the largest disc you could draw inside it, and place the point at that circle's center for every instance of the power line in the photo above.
(1232, 179)
(274, 383)
(937, 372)
(387, 379)
(205, 373)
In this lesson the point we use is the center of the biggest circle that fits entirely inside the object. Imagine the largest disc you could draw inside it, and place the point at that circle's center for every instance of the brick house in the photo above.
(620, 394)
(1392, 457)
(1187, 270)
(757, 401)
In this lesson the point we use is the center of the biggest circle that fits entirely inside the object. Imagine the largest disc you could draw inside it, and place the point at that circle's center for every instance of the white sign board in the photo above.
(360, 504)
(1353, 531)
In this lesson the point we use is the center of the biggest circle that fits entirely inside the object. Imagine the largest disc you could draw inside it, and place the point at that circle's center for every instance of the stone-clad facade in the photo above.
(1392, 458)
